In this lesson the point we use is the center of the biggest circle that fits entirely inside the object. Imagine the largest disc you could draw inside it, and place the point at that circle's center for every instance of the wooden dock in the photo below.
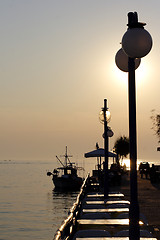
(92, 218)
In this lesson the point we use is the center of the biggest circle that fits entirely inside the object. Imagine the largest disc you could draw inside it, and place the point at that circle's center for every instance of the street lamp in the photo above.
(121, 60)
(136, 43)
(104, 117)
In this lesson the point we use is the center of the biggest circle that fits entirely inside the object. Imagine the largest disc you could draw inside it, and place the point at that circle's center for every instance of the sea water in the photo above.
(29, 206)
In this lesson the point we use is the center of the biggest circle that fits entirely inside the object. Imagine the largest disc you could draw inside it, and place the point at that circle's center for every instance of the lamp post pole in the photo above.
(104, 118)
(134, 229)
(106, 187)
(136, 43)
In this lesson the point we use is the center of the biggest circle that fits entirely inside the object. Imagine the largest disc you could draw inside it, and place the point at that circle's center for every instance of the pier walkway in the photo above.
(92, 218)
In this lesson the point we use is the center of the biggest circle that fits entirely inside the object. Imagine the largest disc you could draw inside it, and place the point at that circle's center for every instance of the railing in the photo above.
(68, 224)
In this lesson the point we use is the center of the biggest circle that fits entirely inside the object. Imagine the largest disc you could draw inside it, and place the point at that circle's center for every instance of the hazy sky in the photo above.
(57, 64)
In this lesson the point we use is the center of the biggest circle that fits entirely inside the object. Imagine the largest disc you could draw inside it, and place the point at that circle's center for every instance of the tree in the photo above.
(122, 146)
(156, 124)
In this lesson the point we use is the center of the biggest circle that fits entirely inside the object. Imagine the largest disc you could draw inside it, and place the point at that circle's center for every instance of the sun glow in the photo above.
(126, 162)
(142, 74)
(119, 75)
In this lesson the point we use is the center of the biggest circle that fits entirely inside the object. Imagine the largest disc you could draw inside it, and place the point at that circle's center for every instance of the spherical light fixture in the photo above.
(121, 60)
(101, 116)
(136, 42)
(110, 133)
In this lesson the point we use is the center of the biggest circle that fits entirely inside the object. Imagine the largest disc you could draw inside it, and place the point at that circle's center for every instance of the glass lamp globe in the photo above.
(101, 116)
(136, 42)
(121, 60)
(110, 133)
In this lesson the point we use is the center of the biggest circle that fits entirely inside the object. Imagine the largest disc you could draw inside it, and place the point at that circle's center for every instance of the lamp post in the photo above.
(104, 118)
(136, 43)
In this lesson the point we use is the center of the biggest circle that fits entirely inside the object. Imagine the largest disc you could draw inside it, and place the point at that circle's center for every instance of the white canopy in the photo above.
(99, 153)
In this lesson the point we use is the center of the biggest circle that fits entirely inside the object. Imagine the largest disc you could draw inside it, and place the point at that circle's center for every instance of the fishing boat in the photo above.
(65, 178)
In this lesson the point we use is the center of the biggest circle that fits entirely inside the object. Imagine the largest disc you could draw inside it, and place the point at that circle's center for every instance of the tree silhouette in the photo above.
(156, 124)
(122, 146)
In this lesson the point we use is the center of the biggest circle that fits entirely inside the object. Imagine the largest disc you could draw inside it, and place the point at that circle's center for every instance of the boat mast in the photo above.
(66, 157)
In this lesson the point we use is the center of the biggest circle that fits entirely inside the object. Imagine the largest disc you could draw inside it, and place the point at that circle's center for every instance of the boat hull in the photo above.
(67, 183)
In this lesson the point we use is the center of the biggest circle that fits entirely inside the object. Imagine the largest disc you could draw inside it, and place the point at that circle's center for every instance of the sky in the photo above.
(57, 66)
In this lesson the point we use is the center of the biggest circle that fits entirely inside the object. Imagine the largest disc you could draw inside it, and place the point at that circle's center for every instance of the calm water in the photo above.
(29, 208)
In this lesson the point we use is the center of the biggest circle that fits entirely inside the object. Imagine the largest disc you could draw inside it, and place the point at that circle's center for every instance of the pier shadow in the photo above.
(156, 185)
(124, 187)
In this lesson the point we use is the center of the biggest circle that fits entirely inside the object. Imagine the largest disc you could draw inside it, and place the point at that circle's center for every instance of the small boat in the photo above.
(65, 178)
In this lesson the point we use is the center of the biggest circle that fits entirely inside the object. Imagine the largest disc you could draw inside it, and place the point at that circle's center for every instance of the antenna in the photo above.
(60, 161)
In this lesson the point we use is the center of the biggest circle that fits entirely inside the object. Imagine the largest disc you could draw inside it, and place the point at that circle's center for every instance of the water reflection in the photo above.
(61, 204)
